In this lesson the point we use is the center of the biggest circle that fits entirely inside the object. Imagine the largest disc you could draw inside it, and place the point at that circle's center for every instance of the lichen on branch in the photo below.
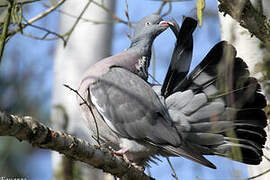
(248, 17)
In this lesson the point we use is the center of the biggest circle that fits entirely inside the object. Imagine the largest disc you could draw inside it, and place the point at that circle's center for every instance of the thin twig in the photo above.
(267, 158)
(34, 19)
(44, 37)
(231, 91)
(87, 20)
(173, 170)
(89, 107)
(261, 174)
(128, 20)
(161, 7)
(4, 33)
(21, 3)
(94, 117)
(116, 18)
(154, 80)
(168, 11)
(47, 33)
(77, 21)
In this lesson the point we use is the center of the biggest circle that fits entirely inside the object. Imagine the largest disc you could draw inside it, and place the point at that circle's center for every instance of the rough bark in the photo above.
(248, 17)
(27, 129)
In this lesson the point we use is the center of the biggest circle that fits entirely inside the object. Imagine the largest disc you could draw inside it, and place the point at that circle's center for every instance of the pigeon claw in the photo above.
(120, 152)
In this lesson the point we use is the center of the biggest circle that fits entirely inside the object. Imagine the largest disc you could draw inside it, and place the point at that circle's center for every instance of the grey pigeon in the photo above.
(195, 118)
(130, 117)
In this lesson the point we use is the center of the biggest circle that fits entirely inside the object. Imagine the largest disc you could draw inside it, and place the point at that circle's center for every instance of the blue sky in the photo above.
(204, 39)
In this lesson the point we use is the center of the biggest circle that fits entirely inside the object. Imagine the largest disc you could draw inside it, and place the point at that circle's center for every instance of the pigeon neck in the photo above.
(142, 46)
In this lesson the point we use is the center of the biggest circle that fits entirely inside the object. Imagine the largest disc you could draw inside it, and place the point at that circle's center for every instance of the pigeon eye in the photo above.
(147, 24)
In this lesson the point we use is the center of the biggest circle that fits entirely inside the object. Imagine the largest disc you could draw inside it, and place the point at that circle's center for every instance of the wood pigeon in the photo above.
(201, 115)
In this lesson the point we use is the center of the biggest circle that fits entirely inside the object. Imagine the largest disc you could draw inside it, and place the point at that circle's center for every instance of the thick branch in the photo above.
(37, 134)
(248, 17)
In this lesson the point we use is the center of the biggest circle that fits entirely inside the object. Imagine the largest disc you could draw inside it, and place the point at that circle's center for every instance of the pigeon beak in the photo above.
(164, 24)
(170, 23)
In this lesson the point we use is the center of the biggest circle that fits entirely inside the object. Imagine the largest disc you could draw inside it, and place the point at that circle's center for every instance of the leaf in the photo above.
(200, 8)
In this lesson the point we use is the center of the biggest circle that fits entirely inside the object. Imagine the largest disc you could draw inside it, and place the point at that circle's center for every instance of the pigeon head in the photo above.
(150, 26)
(147, 29)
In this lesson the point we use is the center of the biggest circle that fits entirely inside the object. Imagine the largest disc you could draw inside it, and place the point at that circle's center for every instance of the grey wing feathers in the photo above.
(190, 153)
(132, 109)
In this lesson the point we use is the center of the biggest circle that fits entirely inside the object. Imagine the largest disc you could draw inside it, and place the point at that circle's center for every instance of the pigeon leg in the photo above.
(123, 153)
(120, 152)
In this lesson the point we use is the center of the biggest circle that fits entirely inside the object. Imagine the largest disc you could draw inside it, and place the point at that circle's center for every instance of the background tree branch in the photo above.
(37, 134)
(38, 17)
(248, 17)
(5, 28)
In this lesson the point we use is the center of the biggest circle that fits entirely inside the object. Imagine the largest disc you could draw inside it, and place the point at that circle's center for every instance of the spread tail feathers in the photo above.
(218, 107)
(181, 58)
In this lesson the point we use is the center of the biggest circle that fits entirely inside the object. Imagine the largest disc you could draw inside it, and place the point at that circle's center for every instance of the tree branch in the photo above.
(248, 17)
(77, 21)
(21, 2)
(37, 134)
(115, 18)
(39, 16)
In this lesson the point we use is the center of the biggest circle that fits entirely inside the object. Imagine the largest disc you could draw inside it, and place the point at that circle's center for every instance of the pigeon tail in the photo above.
(181, 57)
(218, 108)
